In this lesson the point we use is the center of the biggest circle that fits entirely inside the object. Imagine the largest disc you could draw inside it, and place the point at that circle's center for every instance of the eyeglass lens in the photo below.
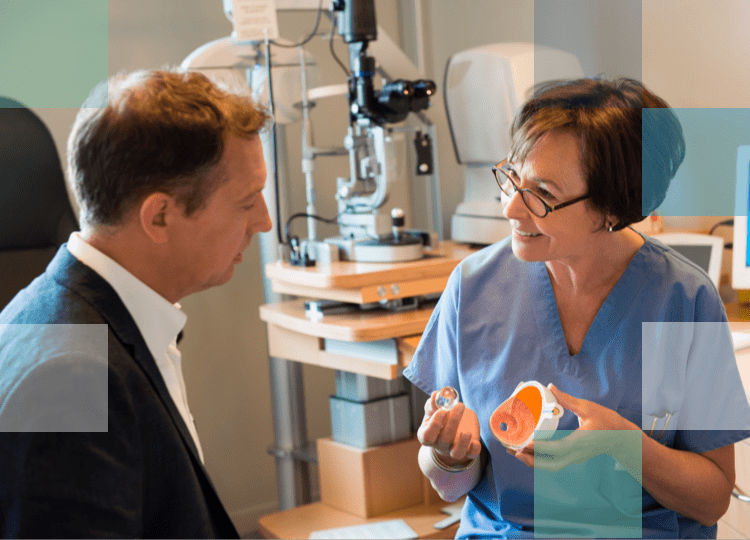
(530, 199)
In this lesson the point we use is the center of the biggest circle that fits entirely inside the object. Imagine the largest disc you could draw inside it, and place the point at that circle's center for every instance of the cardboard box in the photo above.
(374, 481)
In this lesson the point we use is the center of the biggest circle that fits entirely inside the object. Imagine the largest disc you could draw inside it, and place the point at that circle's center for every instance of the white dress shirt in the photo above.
(158, 321)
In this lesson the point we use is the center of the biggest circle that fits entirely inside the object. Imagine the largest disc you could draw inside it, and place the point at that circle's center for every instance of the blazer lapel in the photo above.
(72, 274)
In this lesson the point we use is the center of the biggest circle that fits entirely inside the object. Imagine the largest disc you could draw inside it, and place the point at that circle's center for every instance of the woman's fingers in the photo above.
(460, 448)
(452, 433)
(475, 448)
(431, 427)
(430, 406)
(447, 435)
(465, 447)
(432, 422)
(439, 428)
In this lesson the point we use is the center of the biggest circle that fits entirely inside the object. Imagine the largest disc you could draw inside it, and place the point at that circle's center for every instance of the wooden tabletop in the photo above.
(737, 312)
(361, 283)
(349, 274)
(301, 521)
(355, 325)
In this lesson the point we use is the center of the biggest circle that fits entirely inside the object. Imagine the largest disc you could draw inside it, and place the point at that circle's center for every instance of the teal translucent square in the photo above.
(597, 498)
(705, 182)
(53, 51)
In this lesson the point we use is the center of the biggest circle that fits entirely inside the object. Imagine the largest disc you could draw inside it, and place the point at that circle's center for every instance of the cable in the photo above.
(330, 45)
(273, 142)
(330, 221)
(273, 128)
(308, 38)
(727, 222)
(312, 34)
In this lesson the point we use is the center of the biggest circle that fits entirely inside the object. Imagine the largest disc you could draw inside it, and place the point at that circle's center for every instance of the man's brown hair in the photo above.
(153, 131)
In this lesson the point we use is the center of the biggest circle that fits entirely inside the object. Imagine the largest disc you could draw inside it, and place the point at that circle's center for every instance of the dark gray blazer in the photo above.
(142, 478)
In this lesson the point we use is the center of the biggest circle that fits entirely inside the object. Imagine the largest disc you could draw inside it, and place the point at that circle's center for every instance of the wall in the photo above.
(696, 52)
(693, 53)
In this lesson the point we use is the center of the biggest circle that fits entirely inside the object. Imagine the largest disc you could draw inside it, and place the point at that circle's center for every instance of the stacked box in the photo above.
(356, 387)
(367, 411)
(370, 423)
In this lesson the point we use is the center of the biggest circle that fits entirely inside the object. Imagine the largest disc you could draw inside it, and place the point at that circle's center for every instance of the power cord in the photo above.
(330, 221)
(290, 240)
(308, 38)
(728, 222)
(725, 223)
(330, 45)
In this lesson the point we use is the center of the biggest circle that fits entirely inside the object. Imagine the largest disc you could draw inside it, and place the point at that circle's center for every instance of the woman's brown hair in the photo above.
(631, 141)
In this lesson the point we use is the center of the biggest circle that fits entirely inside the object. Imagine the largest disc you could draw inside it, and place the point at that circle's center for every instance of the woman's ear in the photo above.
(153, 216)
(610, 222)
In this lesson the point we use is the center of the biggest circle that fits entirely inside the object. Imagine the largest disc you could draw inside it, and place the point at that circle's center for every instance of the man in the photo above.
(96, 437)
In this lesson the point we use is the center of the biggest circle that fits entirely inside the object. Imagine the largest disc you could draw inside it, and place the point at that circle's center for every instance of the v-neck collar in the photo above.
(607, 318)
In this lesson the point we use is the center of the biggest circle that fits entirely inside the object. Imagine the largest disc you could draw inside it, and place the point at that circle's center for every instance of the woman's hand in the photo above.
(593, 437)
(454, 433)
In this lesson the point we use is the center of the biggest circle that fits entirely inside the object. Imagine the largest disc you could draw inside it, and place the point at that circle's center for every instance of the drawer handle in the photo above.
(740, 496)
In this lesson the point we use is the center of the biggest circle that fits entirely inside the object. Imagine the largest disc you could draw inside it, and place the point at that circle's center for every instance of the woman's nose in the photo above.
(514, 207)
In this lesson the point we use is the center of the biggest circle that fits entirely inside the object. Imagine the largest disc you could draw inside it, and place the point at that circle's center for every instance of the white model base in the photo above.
(479, 229)
(387, 253)
(369, 251)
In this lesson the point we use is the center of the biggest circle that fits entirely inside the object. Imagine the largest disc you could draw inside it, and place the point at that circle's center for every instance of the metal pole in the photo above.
(287, 386)
(308, 159)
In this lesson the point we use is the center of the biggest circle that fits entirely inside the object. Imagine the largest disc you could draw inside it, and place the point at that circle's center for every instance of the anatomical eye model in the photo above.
(530, 412)
(447, 398)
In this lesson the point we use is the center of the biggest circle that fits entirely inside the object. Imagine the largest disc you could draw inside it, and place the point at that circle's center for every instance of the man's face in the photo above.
(210, 241)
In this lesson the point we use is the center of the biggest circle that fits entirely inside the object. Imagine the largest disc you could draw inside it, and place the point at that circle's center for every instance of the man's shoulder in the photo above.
(49, 319)
(51, 339)
(49, 299)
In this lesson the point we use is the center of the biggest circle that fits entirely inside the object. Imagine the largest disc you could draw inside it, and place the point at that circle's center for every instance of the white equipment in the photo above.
(483, 89)
(239, 63)
(740, 251)
(702, 249)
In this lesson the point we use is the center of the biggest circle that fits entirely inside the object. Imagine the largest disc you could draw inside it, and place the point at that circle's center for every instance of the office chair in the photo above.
(35, 214)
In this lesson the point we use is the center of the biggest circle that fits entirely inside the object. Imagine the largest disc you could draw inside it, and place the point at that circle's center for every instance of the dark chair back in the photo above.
(35, 214)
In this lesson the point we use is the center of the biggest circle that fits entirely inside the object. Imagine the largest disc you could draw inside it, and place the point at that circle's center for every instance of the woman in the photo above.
(624, 330)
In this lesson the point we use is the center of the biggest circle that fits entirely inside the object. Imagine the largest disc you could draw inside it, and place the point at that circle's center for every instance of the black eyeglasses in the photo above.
(533, 202)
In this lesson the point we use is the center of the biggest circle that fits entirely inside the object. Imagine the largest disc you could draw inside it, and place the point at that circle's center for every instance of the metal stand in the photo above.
(290, 433)
(287, 385)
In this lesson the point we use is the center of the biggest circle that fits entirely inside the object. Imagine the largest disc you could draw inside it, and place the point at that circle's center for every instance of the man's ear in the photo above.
(153, 216)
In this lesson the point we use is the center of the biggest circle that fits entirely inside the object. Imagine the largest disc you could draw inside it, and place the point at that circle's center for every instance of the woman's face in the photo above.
(553, 171)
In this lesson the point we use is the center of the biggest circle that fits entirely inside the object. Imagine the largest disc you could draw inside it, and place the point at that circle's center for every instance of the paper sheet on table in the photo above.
(741, 340)
(396, 529)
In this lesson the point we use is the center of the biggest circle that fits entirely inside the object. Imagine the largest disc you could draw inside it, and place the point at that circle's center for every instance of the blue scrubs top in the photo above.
(497, 325)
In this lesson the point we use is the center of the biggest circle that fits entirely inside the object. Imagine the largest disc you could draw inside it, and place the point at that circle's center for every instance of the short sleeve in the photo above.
(434, 363)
